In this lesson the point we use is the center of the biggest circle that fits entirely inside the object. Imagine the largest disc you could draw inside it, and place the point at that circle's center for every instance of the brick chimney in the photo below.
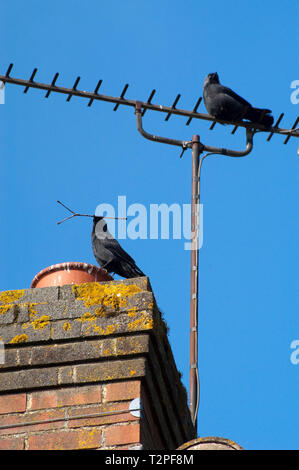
(89, 366)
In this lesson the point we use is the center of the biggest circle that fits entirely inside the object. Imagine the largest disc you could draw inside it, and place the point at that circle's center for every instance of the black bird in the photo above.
(223, 103)
(108, 252)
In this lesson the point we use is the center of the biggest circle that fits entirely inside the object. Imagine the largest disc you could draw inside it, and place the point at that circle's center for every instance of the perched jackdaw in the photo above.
(223, 103)
(108, 252)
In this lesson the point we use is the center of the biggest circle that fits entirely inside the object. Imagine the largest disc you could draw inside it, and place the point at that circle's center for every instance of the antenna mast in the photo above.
(197, 149)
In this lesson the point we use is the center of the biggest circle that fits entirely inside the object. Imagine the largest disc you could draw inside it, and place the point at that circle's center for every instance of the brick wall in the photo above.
(75, 359)
(94, 416)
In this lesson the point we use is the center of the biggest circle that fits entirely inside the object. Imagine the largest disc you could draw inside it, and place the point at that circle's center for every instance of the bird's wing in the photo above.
(114, 247)
(234, 95)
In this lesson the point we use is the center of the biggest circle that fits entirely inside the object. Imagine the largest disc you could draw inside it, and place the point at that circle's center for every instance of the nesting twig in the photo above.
(76, 214)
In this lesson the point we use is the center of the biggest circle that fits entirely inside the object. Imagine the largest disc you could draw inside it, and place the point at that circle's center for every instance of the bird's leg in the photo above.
(104, 267)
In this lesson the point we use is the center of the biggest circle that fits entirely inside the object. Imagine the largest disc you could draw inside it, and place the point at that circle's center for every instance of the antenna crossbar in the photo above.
(146, 105)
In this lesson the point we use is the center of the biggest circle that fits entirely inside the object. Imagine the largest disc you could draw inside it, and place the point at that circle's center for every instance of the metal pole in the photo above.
(197, 149)
(193, 373)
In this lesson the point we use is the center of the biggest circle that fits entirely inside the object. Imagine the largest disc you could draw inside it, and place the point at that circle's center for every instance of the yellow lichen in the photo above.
(132, 312)
(86, 317)
(19, 339)
(102, 331)
(41, 322)
(144, 322)
(31, 310)
(11, 295)
(99, 312)
(38, 323)
(132, 372)
(107, 295)
(66, 326)
(109, 329)
(4, 309)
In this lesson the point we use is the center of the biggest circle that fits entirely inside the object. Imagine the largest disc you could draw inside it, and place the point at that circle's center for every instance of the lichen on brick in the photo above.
(10, 296)
(38, 323)
(31, 308)
(87, 316)
(107, 352)
(41, 322)
(7, 298)
(132, 312)
(108, 295)
(66, 326)
(4, 309)
(108, 330)
(100, 312)
(19, 339)
(144, 322)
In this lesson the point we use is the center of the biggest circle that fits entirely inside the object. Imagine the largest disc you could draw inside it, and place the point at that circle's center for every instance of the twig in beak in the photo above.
(76, 214)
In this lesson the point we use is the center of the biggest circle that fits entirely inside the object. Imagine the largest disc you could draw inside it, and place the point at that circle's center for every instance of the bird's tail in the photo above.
(260, 116)
(131, 270)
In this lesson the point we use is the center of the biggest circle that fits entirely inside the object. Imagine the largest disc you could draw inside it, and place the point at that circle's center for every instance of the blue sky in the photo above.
(50, 149)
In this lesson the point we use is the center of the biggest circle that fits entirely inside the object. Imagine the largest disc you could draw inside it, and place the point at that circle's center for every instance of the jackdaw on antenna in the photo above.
(108, 252)
(224, 104)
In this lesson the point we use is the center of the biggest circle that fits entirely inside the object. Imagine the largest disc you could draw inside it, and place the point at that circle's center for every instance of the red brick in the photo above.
(66, 397)
(123, 390)
(14, 443)
(115, 417)
(12, 403)
(122, 434)
(66, 440)
(32, 418)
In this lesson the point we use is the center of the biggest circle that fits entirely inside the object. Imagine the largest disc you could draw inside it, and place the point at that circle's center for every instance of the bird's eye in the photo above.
(105, 228)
